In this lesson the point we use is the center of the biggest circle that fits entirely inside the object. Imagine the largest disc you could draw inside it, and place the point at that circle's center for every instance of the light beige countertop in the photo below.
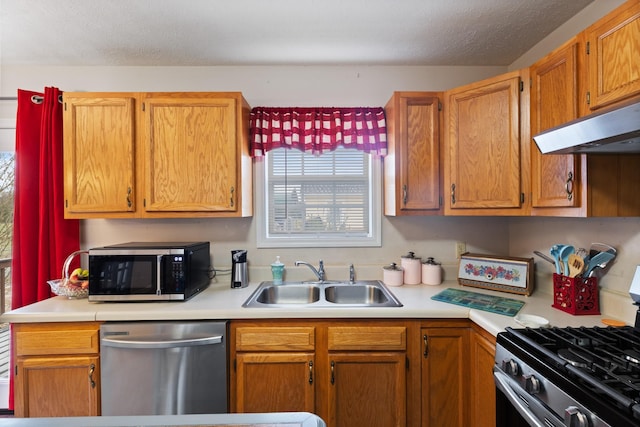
(219, 301)
(288, 419)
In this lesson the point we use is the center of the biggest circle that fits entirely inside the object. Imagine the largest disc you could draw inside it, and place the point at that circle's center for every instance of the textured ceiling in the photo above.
(275, 32)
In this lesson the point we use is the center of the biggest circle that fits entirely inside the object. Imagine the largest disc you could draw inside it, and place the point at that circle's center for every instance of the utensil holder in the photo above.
(576, 295)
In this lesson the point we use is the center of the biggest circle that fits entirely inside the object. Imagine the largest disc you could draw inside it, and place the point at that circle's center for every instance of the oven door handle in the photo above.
(504, 383)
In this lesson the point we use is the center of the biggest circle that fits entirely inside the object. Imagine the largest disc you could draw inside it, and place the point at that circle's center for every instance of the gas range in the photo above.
(586, 376)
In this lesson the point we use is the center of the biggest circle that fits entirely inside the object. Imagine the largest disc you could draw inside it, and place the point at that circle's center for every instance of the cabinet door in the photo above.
(482, 161)
(275, 382)
(483, 391)
(191, 151)
(412, 165)
(445, 377)
(99, 155)
(367, 389)
(60, 386)
(555, 179)
(614, 49)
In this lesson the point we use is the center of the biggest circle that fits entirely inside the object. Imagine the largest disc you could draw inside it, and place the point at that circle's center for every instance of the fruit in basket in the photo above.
(79, 277)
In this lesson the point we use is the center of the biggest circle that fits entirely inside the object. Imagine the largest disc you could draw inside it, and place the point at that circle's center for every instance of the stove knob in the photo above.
(511, 367)
(532, 384)
(574, 418)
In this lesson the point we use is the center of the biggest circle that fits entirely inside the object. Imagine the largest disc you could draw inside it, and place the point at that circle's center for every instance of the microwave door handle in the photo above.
(159, 275)
(502, 382)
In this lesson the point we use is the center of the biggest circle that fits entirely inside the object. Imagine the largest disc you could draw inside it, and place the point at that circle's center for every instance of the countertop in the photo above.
(219, 301)
(288, 419)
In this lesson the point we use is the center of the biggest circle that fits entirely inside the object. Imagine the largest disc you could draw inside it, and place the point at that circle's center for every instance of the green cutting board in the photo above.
(491, 303)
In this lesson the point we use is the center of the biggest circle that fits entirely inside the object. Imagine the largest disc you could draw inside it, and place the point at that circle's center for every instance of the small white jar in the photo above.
(412, 271)
(392, 275)
(431, 272)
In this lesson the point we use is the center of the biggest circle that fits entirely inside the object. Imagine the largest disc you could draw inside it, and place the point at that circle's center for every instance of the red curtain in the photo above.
(42, 238)
(316, 130)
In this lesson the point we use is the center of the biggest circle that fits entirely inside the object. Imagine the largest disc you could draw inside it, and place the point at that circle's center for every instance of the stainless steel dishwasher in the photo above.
(163, 368)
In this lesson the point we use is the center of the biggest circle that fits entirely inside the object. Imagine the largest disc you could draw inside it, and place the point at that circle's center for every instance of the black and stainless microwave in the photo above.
(148, 271)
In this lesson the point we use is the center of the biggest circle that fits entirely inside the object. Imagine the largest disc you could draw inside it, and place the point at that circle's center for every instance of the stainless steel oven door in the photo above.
(528, 407)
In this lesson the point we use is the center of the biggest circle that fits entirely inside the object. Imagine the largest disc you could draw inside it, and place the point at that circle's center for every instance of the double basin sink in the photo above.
(361, 293)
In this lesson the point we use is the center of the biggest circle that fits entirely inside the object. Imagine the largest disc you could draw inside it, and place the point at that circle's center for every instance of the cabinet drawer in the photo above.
(50, 339)
(275, 338)
(367, 338)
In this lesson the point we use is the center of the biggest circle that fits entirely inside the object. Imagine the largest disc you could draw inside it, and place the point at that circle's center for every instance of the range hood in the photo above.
(613, 130)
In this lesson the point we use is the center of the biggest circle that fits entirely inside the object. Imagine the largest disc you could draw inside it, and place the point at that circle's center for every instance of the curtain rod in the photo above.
(36, 99)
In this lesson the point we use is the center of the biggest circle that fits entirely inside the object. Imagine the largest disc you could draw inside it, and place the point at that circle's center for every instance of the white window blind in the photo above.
(325, 200)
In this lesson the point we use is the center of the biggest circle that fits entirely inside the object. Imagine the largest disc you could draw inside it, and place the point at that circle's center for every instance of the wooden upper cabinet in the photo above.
(412, 167)
(556, 180)
(157, 155)
(192, 154)
(483, 174)
(99, 154)
(614, 55)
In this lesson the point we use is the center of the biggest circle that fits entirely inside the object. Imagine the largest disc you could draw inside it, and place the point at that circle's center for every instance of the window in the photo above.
(331, 200)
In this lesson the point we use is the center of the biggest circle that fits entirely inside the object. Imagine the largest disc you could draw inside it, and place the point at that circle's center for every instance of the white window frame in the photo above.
(264, 240)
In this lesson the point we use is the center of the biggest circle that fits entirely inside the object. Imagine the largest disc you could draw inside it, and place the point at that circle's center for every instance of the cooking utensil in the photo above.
(601, 247)
(544, 257)
(576, 265)
(564, 253)
(599, 260)
(555, 253)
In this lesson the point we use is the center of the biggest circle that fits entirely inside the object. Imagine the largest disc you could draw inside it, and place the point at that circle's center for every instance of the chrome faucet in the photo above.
(352, 275)
(319, 272)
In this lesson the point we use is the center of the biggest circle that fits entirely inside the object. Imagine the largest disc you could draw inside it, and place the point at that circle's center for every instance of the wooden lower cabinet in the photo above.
(259, 374)
(445, 373)
(349, 373)
(483, 391)
(57, 369)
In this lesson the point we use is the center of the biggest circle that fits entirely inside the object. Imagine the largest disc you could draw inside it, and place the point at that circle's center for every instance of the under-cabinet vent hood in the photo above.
(613, 130)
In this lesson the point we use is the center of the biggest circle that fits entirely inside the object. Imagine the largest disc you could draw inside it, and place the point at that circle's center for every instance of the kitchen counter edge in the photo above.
(221, 302)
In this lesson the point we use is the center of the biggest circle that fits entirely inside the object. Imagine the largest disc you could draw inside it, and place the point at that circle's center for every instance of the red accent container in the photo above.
(576, 295)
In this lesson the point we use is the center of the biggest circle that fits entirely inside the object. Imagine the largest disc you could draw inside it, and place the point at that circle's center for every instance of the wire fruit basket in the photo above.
(67, 287)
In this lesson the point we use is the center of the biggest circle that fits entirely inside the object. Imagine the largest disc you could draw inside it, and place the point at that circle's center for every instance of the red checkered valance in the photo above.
(317, 130)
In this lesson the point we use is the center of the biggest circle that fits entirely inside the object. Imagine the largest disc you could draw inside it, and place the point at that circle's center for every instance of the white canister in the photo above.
(392, 275)
(412, 271)
(431, 272)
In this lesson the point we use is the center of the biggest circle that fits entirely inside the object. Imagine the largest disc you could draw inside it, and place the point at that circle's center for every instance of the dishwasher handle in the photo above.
(138, 343)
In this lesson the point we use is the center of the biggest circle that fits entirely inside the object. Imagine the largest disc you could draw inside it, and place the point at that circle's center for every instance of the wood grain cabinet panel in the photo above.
(556, 180)
(484, 171)
(354, 373)
(614, 56)
(157, 155)
(57, 369)
(445, 374)
(483, 390)
(99, 154)
(413, 165)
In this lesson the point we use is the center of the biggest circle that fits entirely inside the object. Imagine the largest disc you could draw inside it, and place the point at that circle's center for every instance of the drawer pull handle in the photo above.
(426, 345)
(569, 186)
(129, 197)
(404, 194)
(92, 369)
(311, 372)
(333, 376)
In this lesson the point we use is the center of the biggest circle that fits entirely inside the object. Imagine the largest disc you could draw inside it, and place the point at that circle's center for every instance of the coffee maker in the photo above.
(239, 271)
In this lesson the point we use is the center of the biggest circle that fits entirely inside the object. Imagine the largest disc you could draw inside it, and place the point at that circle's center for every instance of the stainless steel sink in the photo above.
(362, 293)
(300, 294)
(356, 294)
